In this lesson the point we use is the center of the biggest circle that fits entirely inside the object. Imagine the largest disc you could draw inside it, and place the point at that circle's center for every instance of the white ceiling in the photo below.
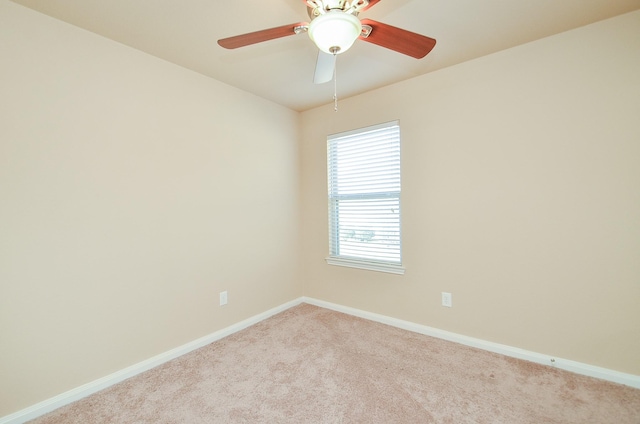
(185, 32)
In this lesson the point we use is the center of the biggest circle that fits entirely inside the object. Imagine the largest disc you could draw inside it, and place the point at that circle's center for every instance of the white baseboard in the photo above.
(85, 390)
(78, 393)
(514, 352)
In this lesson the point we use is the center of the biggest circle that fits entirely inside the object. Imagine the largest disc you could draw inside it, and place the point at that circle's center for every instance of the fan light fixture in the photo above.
(335, 31)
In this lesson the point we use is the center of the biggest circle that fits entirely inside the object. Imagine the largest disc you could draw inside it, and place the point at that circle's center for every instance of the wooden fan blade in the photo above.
(325, 66)
(399, 40)
(259, 36)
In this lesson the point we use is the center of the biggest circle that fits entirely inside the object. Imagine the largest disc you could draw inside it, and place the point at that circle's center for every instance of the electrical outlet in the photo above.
(223, 298)
(446, 299)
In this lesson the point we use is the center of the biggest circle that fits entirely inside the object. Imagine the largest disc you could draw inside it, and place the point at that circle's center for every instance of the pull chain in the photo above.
(335, 82)
(334, 51)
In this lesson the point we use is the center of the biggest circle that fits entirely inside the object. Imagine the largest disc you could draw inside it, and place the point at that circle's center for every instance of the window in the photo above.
(364, 198)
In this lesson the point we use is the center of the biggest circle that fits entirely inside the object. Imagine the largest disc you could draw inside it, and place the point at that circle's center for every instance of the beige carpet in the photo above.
(313, 365)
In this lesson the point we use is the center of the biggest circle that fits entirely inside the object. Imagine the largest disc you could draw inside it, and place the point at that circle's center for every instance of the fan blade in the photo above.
(325, 66)
(371, 4)
(397, 39)
(260, 36)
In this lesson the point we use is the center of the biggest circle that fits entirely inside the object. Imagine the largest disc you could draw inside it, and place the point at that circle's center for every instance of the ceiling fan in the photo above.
(334, 27)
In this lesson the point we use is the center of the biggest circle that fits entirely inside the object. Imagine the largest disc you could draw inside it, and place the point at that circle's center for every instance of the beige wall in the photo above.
(521, 197)
(132, 192)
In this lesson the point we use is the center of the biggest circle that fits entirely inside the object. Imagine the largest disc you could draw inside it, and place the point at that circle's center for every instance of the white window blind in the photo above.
(364, 198)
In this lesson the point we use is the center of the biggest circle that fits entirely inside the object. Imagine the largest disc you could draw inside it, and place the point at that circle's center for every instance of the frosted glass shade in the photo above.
(335, 31)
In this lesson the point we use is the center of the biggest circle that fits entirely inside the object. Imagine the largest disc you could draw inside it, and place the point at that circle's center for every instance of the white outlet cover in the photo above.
(223, 298)
(447, 299)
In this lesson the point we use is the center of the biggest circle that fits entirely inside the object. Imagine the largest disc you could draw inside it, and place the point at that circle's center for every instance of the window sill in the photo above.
(371, 266)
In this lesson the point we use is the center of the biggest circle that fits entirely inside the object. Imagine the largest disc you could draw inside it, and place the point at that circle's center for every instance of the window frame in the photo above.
(371, 264)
